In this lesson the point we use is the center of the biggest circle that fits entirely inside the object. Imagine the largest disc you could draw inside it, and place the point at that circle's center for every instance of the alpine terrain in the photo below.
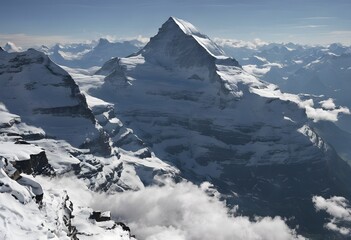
(174, 140)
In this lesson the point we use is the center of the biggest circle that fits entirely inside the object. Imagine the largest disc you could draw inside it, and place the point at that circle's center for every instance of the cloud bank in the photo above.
(325, 113)
(234, 43)
(339, 210)
(185, 211)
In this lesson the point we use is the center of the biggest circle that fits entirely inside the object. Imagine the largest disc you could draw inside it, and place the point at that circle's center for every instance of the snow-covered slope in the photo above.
(38, 93)
(320, 72)
(49, 128)
(45, 96)
(59, 217)
(198, 109)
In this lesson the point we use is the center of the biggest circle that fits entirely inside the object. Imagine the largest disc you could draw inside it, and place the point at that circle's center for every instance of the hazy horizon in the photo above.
(305, 22)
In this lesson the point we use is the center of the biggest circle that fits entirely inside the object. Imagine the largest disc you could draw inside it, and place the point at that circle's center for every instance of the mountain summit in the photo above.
(11, 47)
(179, 42)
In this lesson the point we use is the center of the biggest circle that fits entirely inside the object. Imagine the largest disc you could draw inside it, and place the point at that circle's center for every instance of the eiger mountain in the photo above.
(178, 109)
(198, 109)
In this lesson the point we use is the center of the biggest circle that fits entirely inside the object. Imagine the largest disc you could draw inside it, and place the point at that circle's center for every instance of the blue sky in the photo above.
(303, 21)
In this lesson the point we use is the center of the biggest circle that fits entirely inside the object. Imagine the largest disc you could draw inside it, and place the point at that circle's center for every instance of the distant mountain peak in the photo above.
(103, 41)
(11, 47)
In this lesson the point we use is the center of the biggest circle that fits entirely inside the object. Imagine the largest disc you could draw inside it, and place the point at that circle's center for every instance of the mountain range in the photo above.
(177, 110)
(86, 55)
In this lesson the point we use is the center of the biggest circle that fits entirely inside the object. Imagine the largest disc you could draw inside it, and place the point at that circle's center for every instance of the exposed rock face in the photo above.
(67, 216)
(37, 164)
(100, 216)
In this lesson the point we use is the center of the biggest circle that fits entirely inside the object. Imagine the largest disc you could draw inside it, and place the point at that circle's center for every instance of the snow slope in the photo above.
(45, 96)
(68, 204)
(43, 104)
(44, 124)
(321, 73)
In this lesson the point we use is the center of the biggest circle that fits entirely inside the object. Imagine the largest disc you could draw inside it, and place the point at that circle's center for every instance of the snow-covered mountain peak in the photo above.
(24, 58)
(179, 43)
(210, 46)
(44, 95)
(11, 47)
(44, 49)
(185, 26)
(103, 41)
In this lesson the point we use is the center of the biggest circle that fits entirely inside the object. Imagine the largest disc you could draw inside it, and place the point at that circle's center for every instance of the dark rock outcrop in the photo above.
(37, 165)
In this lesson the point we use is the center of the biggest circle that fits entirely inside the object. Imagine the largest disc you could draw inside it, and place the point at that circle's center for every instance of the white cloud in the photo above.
(225, 42)
(112, 38)
(184, 211)
(341, 36)
(140, 38)
(316, 114)
(328, 104)
(254, 70)
(339, 210)
(318, 18)
(340, 32)
(319, 114)
(310, 26)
